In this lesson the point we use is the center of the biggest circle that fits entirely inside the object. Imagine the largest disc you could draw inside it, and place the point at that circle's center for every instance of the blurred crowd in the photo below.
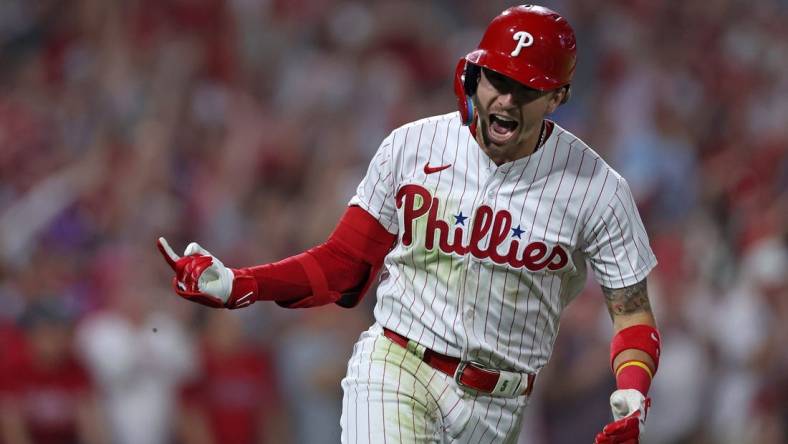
(246, 125)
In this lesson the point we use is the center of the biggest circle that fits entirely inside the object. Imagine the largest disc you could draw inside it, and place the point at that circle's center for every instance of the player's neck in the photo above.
(501, 155)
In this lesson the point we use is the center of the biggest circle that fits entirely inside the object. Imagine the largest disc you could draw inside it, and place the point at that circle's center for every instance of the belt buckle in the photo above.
(458, 375)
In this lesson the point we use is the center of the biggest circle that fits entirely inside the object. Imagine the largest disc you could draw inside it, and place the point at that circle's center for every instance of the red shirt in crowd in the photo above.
(234, 392)
(46, 398)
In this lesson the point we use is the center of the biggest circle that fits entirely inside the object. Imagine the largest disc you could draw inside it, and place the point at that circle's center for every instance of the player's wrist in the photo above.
(245, 290)
(634, 374)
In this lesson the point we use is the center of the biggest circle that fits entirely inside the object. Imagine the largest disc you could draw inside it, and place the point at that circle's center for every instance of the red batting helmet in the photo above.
(530, 44)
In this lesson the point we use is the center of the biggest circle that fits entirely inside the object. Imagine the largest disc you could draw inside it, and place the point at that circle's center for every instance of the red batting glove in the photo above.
(623, 431)
(202, 278)
(629, 416)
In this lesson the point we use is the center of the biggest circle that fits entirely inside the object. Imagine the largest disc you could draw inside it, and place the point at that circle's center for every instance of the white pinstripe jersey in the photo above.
(488, 256)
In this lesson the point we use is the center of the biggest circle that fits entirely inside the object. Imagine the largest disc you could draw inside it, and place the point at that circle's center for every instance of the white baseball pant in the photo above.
(391, 396)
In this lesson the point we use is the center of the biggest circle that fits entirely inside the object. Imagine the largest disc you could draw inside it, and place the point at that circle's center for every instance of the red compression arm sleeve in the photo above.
(342, 264)
(635, 373)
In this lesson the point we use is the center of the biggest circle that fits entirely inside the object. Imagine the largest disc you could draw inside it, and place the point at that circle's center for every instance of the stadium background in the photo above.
(246, 124)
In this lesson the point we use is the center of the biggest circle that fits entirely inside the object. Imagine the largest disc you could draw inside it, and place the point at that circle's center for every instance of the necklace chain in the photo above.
(541, 137)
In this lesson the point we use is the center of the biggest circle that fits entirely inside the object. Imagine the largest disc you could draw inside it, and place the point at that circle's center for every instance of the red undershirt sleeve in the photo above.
(337, 271)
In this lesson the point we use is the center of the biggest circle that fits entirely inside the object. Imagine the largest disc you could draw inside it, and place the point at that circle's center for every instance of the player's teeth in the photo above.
(503, 119)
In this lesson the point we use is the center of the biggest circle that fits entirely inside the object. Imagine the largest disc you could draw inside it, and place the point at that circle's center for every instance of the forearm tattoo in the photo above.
(627, 300)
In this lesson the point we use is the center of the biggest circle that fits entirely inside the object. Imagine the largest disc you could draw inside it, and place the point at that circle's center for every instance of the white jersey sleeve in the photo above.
(375, 193)
(616, 242)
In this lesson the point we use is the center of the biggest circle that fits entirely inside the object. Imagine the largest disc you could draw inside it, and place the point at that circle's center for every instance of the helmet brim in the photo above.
(523, 72)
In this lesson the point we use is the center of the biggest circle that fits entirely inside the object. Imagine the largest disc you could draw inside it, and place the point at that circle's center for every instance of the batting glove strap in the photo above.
(244, 292)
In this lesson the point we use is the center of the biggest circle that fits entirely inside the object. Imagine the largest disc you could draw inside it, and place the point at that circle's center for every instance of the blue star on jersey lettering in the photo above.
(517, 232)
(460, 219)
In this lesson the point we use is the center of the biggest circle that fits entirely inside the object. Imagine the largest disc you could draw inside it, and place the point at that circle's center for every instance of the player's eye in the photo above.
(499, 81)
(506, 85)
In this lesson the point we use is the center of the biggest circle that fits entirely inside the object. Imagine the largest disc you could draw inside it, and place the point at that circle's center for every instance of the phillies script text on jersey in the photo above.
(535, 256)
(488, 256)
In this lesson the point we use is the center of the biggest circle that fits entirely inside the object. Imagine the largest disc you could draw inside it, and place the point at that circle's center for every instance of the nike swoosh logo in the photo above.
(242, 298)
(429, 170)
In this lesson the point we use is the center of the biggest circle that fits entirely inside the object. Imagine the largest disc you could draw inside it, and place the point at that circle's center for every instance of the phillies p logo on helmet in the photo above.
(524, 39)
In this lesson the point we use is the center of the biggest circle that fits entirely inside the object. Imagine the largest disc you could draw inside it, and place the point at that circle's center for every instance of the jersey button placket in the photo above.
(489, 188)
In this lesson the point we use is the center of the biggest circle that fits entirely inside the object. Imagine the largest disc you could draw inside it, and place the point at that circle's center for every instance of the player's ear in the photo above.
(567, 93)
(558, 97)
(554, 100)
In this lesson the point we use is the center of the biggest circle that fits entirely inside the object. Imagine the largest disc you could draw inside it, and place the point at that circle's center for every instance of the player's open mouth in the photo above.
(502, 129)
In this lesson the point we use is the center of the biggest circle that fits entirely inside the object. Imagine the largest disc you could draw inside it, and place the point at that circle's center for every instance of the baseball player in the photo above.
(483, 221)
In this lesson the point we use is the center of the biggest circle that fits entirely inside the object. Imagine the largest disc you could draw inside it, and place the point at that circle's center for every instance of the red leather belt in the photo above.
(470, 375)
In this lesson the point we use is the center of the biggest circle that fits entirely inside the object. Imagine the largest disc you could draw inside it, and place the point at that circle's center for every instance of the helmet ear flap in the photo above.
(471, 78)
(466, 80)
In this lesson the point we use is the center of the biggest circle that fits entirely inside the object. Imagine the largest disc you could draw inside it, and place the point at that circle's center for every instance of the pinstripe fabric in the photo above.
(488, 256)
